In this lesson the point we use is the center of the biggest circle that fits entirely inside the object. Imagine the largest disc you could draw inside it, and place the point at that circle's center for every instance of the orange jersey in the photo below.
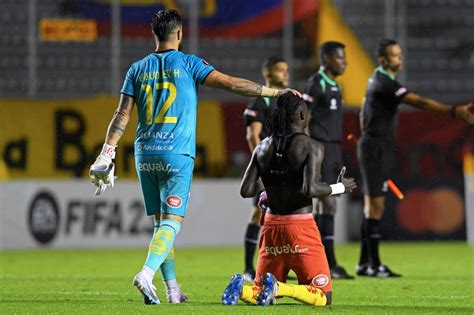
(293, 242)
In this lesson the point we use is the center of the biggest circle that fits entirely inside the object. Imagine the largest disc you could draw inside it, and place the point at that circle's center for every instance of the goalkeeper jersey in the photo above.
(164, 86)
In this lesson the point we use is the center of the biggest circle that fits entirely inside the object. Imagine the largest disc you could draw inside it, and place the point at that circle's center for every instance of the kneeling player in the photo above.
(288, 163)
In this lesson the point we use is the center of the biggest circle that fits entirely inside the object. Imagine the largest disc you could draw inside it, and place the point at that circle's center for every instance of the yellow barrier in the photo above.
(60, 30)
(60, 139)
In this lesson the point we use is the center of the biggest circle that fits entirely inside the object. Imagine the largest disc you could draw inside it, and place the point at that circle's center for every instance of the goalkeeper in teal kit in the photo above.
(163, 85)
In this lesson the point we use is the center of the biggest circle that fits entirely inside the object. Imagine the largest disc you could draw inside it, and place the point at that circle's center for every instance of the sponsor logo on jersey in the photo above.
(174, 201)
(400, 91)
(145, 147)
(320, 281)
(250, 112)
(157, 135)
(334, 88)
(285, 249)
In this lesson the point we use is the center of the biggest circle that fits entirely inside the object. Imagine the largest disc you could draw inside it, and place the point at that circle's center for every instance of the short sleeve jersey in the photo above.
(259, 110)
(324, 98)
(164, 86)
(382, 97)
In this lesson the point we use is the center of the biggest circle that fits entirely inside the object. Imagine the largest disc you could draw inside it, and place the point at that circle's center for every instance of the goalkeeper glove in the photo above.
(102, 171)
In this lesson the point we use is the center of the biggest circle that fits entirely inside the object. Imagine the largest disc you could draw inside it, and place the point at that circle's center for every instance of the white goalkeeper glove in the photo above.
(102, 171)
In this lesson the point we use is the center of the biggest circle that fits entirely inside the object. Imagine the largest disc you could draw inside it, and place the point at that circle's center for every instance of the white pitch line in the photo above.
(89, 293)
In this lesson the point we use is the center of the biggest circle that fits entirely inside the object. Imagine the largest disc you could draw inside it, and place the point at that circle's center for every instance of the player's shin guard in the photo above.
(303, 293)
(249, 293)
(162, 243)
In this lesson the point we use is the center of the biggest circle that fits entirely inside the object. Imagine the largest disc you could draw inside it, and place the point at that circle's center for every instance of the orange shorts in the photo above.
(293, 242)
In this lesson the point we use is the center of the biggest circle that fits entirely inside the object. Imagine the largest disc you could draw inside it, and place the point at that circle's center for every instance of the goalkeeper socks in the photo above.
(364, 251)
(167, 267)
(304, 293)
(251, 241)
(249, 293)
(326, 228)
(373, 239)
(162, 243)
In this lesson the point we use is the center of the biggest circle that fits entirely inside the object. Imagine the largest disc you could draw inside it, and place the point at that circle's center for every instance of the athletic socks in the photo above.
(373, 239)
(249, 293)
(250, 241)
(304, 293)
(167, 267)
(325, 224)
(364, 251)
(161, 245)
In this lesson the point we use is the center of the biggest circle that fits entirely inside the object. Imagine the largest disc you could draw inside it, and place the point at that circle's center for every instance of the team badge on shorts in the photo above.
(320, 281)
(174, 201)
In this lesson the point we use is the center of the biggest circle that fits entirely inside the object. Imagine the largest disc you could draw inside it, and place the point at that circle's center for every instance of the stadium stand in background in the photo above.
(439, 64)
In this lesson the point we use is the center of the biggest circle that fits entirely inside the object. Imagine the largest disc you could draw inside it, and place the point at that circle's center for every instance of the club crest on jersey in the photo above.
(174, 201)
(320, 281)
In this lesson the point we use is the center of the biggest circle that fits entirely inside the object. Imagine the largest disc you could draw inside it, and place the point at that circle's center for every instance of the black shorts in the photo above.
(332, 162)
(376, 163)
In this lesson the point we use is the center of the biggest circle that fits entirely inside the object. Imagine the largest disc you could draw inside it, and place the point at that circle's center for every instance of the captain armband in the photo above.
(337, 189)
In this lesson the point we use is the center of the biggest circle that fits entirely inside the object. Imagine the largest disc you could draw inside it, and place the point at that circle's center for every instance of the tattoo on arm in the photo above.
(246, 87)
(120, 119)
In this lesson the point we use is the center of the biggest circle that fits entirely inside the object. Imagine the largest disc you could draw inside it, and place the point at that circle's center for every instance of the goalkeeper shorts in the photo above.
(293, 242)
(166, 182)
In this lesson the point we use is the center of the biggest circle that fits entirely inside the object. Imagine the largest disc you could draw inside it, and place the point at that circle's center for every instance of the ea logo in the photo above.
(173, 201)
(320, 281)
(43, 217)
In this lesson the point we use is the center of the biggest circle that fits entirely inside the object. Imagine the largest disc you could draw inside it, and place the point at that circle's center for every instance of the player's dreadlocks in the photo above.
(279, 120)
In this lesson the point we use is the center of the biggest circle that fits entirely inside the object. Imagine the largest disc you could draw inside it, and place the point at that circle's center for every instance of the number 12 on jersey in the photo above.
(160, 118)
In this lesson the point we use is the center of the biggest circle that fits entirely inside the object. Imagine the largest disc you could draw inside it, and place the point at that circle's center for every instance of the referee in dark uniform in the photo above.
(375, 149)
(275, 74)
(323, 96)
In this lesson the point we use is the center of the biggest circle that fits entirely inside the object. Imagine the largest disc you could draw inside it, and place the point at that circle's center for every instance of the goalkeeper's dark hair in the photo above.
(328, 48)
(382, 47)
(279, 121)
(164, 22)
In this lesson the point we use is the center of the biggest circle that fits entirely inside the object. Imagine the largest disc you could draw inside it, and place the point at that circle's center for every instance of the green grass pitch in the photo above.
(437, 278)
